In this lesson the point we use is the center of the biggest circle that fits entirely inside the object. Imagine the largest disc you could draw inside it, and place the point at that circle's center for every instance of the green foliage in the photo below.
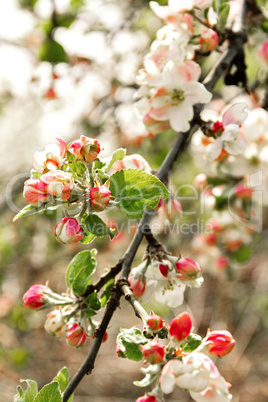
(135, 191)
(129, 341)
(80, 271)
(117, 155)
(52, 51)
(193, 341)
(49, 393)
(222, 8)
(94, 225)
(243, 254)
(31, 209)
(77, 168)
(151, 372)
(107, 292)
(93, 301)
(62, 378)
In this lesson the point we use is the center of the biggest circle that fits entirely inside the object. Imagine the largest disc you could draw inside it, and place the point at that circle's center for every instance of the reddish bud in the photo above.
(75, 336)
(146, 398)
(33, 298)
(68, 231)
(217, 127)
(219, 343)
(154, 322)
(209, 40)
(221, 262)
(200, 182)
(188, 269)
(210, 239)
(243, 192)
(50, 94)
(137, 286)
(86, 149)
(59, 183)
(99, 197)
(180, 326)
(153, 352)
(35, 191)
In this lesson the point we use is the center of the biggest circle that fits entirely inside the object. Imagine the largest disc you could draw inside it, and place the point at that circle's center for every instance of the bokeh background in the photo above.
(85, 85)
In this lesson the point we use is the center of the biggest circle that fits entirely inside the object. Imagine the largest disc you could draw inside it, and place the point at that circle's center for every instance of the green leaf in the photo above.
(193, 341)
(117, 155)
(223, 15)
(243, 254)
(93, 301)
(135, 191)
(49, 393)
(94, 225)
(31, 391)
(19, 397)
(129, 341)
(52, 52)
(151, 372)
(88, 238)
(107, 292)
(89, 313)
(62, 378)
(28, 210)
(76, 167)
(80, 271)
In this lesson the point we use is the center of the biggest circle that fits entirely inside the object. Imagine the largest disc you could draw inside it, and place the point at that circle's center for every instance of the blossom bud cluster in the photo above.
(176, 363)
(166, 279)
(66, 319)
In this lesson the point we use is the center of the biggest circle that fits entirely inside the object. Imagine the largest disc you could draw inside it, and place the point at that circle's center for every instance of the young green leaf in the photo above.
(135, 191)
(94, 225)
(193, 341)
(107, 292)
(129, 341)
(117, 155)
(31, 391)
(93, 301)
(151, 372)
(19, 397)
(243, 254)
(74, 166)
(49, 393)
(80, 271)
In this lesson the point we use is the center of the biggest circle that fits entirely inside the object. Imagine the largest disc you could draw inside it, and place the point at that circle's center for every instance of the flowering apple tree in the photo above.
(177, 96)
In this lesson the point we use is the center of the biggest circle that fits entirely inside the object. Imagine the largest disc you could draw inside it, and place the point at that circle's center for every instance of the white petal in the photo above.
(231, 132)
(161, 11)
(235, 114)
(196, 93)
(214, 150)
(180, 5)
(236, 147)
(180, 116)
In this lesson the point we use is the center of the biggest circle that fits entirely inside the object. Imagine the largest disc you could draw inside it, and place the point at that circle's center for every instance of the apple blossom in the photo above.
(263, 53)
(134, 161)
(51, 158)
(188, 270)
(227, 132)
(154, 322)
(209, 40)
(68, 231)
(86, 149)
(243, 192)
(75, 335)
(59, 183)
(146, 398)
(180, 326)
(99, 197)
(36, 192)
(221, 262)
(137, 286)
(55, 324)
(153, 352)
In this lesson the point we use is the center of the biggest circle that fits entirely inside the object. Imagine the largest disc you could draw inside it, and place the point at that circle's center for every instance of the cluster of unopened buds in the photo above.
(184, 361)
(68, 316)
(166, 278)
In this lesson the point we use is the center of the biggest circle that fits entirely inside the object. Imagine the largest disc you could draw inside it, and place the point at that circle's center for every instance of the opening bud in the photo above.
(154, 322)
(219, 343)
(85, 149)
(138, 286)
(146, 398)
(68, 231)
(35, 191)
(99, 197)
(75, 335)
(35, 298)
(188, 269)
(180, 326)
(55, 324)
(153, 352)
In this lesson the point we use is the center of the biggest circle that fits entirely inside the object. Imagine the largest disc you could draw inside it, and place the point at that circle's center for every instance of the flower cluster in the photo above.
(184, 361)
(69, 316)
(169, 80)
(166, 278)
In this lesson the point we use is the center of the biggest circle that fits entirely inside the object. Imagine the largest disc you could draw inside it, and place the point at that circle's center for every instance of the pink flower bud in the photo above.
(85, 149)
(210, 239)
(55, 324)
(153, 352)
(34, 297)
(137, 286)
(154, 322)
(51, 158)
(59, 183)
(243, 192)
(200, 182)
(35, 191)
(217, 127)
(188, 269)
(68, 231)
(75, 336)
(221, 263)
(180, 326)
(219, 343)
(99, 197)
(146, 398)
(209, 40)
